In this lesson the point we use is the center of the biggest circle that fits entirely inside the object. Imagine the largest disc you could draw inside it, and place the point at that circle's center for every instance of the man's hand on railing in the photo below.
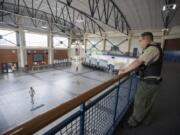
(122, 71)
(132, 66)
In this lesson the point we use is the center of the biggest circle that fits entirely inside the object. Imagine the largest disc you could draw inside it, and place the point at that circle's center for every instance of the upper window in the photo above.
(77, 43)
(36, 40)
(60, 42)
(7, 38)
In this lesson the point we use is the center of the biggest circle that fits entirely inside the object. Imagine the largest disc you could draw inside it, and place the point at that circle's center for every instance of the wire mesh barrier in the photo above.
(97, 111)
(101, 114)
(72, 128)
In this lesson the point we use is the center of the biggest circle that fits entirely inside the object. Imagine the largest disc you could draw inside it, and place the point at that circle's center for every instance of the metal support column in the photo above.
(69, 46)
(50, 48)
(129, 42)
(104, 42)
(22, 51)
(85, 42)
(163, 39)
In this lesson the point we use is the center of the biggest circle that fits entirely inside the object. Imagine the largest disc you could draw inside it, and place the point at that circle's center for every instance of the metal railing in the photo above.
(95, 112)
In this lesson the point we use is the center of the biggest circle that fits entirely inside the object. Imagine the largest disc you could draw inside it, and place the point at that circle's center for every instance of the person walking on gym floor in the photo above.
(148, 65)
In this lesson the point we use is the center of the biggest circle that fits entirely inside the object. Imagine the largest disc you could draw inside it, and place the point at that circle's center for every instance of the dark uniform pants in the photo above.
(144, 99)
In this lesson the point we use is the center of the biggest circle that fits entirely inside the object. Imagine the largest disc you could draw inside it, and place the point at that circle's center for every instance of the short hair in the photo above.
(147, 34)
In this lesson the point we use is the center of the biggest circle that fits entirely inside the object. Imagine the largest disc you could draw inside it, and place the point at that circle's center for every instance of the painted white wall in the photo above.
(174, 33)
(114, 37)
(135, 40)
(94, 40)
(73, 52)
(22, 56)
(116, 40)
(135, 43)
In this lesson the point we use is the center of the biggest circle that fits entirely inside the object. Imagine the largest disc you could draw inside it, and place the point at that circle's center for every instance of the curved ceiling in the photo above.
(138, 14)
(146, 14)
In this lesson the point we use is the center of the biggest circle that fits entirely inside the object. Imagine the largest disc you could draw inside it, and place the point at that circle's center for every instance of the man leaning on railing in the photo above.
(148, 65)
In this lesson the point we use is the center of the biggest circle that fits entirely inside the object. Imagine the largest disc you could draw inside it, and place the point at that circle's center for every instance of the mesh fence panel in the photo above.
(72, 128)
(123, 97)
(99, 118)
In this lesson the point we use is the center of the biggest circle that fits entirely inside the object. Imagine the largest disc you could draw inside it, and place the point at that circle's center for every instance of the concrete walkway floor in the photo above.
(166, 109)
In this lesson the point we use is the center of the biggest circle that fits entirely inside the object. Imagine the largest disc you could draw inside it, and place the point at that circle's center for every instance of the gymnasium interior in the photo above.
(59, 63)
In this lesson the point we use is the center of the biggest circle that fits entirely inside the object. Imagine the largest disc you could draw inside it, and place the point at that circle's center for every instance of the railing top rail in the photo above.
(39, 122)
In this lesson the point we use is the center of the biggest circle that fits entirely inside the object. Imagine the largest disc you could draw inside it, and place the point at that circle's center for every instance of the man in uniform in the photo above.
(148, 67)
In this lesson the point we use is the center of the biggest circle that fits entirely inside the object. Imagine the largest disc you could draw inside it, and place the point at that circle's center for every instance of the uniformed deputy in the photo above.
(149, 66)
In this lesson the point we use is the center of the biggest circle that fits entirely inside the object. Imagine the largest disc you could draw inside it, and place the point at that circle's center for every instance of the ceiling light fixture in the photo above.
(169, 7)
(165, 30)
(174, 6)
(79, 20)
(44, 27)
(164, 8)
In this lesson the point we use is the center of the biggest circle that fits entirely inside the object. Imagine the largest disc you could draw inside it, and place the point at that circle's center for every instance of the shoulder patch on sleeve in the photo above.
(152, 49)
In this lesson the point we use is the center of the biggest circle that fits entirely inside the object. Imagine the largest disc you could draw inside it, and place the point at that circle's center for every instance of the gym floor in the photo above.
(52, 87)
(57, 85)
(165, 115)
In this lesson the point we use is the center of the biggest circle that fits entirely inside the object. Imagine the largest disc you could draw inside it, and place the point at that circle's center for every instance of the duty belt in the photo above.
(152, 79)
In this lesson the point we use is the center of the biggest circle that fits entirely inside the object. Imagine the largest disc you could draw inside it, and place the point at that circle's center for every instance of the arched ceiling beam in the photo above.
(73, 15)
(61, 16)
(36, 17)
(105, 11)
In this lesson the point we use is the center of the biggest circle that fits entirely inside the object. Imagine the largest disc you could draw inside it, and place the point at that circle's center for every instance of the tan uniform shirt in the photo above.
(150, 55)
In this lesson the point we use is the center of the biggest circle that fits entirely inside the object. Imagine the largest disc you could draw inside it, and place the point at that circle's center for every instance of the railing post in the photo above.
(116, 103)
(137, 81)
(82, 109)
(130, 88)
